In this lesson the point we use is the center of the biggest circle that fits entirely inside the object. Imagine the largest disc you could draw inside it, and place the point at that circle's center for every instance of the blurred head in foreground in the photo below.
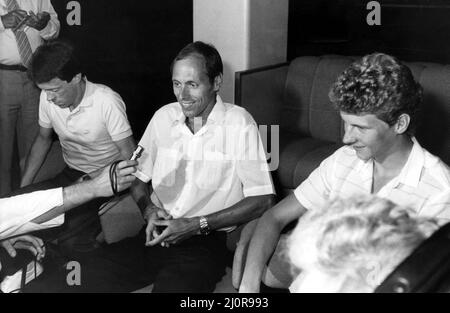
(352, 245)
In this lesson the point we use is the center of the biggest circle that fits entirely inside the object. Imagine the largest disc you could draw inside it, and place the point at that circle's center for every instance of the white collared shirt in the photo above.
(423, 184)
(87, 133)
(17, 212)
(202, 173)
(9, 51)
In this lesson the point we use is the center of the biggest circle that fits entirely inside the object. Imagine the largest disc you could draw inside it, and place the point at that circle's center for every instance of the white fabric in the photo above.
(87, 134)
(17, 212)
(9, 52)
(316, 282)
(194, 175)
(423, 184)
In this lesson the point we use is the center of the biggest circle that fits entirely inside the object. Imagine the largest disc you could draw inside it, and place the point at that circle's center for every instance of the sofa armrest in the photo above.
(260, 91)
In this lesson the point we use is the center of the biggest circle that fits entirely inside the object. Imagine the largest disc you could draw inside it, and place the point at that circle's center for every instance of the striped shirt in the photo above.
(423, 184)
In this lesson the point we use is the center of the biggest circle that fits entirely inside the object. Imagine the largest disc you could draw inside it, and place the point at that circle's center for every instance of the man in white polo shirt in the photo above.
(378, 100)
(89, 119)
(208, 172)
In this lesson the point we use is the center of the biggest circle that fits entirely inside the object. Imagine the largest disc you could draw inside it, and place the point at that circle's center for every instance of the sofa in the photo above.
(294, 96)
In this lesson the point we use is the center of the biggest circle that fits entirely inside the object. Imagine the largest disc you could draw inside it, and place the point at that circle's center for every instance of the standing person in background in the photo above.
(24, 26)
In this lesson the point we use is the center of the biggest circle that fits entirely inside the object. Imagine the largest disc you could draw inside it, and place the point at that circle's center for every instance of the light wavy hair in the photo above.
(348, 237)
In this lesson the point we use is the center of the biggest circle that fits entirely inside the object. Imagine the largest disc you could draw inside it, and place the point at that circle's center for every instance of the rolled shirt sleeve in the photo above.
(51, 31)
(16, 213)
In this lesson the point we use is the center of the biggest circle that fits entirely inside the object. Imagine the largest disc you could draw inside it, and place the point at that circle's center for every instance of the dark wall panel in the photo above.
(129, 45)
(413, 30)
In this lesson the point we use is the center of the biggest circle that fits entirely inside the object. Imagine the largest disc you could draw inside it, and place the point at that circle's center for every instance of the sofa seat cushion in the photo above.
(299, 156)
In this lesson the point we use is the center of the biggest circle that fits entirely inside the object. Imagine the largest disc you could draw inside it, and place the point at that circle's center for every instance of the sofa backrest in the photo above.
(434, 129)
(307, 111)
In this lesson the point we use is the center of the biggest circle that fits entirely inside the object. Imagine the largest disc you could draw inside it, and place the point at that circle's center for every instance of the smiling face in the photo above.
(370, 137)
(192, 87)
(60, 92)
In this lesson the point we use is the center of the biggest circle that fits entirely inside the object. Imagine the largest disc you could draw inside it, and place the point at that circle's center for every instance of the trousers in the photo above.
(19, 107)
(194, 265)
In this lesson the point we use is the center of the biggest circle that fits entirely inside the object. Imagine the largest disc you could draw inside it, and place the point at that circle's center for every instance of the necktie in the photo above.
(21, 38)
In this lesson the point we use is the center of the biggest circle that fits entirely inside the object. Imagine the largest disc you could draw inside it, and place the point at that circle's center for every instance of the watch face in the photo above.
(204, 227)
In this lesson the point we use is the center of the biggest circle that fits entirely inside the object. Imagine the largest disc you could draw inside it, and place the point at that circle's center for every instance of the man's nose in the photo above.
(50, 96)
(349, 137)
(184, 92)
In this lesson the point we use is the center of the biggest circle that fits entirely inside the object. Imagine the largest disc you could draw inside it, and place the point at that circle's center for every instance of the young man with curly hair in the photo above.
(378, 100)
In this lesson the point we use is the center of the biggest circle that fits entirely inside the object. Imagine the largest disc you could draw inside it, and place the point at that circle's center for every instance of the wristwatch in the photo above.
(204, 227)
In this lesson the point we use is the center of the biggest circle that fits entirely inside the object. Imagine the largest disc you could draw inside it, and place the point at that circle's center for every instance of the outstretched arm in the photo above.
(98, 186)
(265, 239)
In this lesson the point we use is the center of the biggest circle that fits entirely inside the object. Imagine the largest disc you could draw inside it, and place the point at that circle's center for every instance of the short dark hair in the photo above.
(54, 59)
(378, 84)
(210, 55)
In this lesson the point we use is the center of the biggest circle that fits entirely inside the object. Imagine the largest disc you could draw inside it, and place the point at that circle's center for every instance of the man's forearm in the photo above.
(98, 186)
(262, 245)
(141, 194)
(265, 239)
(245, 210)
(73, 196)
(35, 158)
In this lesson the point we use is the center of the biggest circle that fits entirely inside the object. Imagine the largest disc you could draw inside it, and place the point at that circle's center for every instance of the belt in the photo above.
(19, 68)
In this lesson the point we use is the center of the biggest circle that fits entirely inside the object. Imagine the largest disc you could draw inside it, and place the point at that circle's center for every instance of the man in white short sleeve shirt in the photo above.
(89, 119)
(378, 100)
(208, 173)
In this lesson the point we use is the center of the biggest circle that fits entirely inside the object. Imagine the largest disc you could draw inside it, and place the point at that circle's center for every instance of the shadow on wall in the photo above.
(227, 88)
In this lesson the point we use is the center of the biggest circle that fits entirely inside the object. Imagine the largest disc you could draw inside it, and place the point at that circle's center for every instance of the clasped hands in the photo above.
(16, 18)
(163, 229)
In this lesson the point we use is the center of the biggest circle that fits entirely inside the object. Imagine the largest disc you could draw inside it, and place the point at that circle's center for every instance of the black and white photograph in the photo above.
(230, 153)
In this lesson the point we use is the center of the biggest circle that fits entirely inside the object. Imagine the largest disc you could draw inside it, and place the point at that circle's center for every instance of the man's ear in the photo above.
(401, 126)
(218, 82)
(76, 79)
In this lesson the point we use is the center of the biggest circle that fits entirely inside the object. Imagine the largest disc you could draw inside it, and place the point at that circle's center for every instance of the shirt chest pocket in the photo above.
(214, 172)
(166, 167)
